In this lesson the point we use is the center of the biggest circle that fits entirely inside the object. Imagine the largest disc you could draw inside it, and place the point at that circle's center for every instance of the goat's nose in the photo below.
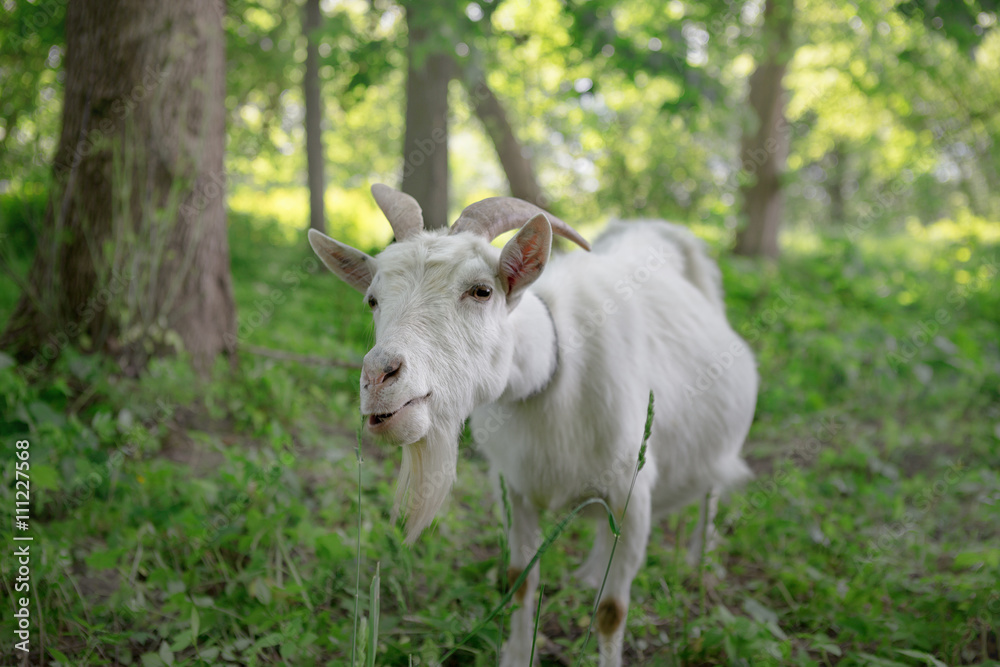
(381, 369)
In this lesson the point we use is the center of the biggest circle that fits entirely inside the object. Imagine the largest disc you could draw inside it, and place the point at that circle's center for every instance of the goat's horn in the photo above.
(496, 215)
(402, 210)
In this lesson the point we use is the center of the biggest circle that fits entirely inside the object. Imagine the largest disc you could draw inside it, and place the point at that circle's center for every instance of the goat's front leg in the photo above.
(524, 539)
(630, 555)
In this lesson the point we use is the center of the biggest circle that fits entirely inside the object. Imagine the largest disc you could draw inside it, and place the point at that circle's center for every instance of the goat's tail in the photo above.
(699, 269)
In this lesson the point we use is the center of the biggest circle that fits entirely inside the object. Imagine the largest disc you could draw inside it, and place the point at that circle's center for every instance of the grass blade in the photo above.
(357, 578)
(373, 614)
(546, 545)
(538, 614)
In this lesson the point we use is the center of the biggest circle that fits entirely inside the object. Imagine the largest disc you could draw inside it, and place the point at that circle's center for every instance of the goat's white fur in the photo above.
(561, 422)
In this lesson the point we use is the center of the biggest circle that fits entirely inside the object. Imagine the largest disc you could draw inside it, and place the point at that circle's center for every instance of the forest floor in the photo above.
(178, 521)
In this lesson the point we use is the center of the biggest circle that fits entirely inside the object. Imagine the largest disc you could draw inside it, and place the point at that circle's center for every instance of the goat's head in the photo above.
(440, 301)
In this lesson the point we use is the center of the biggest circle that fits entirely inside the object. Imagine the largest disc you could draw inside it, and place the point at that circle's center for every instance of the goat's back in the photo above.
(642, 312)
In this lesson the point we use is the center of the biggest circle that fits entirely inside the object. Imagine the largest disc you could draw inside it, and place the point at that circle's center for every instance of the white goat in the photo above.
(555, 377)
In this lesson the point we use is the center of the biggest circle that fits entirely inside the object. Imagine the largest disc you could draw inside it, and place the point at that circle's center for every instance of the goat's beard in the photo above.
(425, 478)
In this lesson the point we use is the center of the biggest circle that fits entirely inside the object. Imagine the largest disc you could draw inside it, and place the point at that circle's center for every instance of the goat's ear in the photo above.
(352, 266)
(524, 257)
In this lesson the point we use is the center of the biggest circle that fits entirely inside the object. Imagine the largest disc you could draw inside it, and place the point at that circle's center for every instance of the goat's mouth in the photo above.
(380, 422)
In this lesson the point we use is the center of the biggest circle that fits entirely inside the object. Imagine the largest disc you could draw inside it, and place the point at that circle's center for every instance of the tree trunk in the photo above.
(765, 147)
(133, 256)
(513, 158)
(425, 147)
(314, 115)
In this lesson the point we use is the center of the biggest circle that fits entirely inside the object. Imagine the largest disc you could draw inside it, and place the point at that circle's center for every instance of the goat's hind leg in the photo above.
(612, 610)
(705, 537)
(524, 538)
(591, 573)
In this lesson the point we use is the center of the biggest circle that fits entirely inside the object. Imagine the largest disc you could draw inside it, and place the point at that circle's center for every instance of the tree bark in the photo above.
(134, 256)
(425, 146)
(314, 115)
(764, 148)
(513, 157)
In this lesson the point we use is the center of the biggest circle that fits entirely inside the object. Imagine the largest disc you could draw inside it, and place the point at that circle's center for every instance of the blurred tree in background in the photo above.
(613, 108)
(313, 93)
(764, 146)
(429, 69)
(729, 113)
(133, 249)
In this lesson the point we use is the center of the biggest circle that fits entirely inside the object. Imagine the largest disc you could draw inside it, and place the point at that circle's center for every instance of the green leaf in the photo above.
(976, 559)
(195, 623)
(104, 560)
(823, 643)
(166, 655)
(60, 656)
(260, 590)
(43, 414)
(870, 659)
(759, 612)
(181, 641)
(151, 660)
(45, 477)
(209, 654)
(332, 548)
(268, 640)
(926, 658)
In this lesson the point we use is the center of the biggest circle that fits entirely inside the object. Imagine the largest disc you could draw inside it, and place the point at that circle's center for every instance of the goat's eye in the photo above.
(372, 302)
(481, 292)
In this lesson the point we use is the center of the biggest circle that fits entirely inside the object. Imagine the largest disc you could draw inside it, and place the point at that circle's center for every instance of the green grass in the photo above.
(222, 525)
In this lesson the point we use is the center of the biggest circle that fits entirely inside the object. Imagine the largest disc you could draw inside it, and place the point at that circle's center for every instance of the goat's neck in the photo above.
(535, 349)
